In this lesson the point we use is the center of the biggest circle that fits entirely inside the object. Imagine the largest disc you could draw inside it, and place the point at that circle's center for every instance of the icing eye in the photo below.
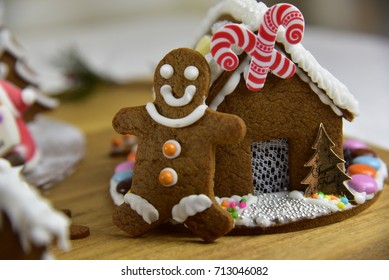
(191, 73)
(166, 71)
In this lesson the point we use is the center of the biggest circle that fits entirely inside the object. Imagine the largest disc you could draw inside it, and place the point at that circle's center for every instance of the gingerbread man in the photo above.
(175, 164)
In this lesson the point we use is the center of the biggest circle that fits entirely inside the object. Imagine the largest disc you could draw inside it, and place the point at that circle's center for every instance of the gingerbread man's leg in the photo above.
(136, 215)
(199, 213)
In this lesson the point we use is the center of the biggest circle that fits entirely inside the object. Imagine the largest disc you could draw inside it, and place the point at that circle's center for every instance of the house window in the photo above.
(270, 166)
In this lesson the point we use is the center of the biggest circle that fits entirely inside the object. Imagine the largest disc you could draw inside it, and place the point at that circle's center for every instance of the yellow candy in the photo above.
(341, 205)
(204, 45)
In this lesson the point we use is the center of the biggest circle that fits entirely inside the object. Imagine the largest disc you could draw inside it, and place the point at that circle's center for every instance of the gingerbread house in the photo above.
(282, 119)
(15, 69)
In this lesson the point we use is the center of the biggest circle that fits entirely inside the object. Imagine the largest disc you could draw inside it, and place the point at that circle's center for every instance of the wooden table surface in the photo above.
(86, 194)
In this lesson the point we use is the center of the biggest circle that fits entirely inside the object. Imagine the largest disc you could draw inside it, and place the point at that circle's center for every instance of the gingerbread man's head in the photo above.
(181, 83)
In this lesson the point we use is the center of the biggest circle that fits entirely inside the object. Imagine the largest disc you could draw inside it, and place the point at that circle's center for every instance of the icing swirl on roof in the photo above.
(250, 13)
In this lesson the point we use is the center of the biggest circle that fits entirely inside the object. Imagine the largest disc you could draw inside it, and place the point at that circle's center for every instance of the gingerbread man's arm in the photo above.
(231, 129)
(129, 120)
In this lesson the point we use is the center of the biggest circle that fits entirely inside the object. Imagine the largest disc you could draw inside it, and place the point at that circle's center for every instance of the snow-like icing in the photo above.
(7, 43)
(228, 87)
(141, 206)
(250, 13)
(117, 197)
(264, 210)
(190, 206)
(32, 216)
(26, 73)
(168, 97)
(188, 120)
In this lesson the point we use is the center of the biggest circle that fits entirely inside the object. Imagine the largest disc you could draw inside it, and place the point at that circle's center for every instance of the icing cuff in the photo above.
(190, 206)
(141, 206)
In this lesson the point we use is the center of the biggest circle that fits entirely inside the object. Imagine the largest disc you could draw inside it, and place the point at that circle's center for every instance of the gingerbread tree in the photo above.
(326, 174)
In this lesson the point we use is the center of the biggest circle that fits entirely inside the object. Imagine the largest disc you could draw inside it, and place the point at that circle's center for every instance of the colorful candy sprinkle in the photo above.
(340, 202)
(341, 205)
(344, 200)
(233, 207)
(225, 203)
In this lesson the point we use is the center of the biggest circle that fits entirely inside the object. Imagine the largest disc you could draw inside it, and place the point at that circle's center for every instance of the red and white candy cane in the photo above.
(260, 47)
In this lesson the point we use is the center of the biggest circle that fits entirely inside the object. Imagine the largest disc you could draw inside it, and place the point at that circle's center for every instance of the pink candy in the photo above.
(363, 183)
(242, 205)
(126, 165)
(354, 144)
(260, 47)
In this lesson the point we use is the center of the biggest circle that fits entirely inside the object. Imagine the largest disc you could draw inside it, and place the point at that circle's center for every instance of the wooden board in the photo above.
(85, 193)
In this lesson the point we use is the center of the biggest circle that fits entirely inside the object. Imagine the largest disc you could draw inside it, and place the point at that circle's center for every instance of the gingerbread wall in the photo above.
(283, 109)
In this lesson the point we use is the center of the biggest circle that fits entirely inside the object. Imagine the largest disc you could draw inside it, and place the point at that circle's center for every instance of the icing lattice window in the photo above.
(270, 166)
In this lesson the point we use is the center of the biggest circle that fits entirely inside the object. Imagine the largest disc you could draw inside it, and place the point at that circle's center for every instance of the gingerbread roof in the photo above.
(31, 216)
(250, 13)
(8, 44)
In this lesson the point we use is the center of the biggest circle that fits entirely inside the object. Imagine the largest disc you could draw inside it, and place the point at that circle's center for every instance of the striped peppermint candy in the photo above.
(260, 47)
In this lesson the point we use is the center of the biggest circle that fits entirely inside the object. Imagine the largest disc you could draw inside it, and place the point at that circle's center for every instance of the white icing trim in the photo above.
(190, 119)
(229, 86)
(43, 99)
(7, 43)
(141, 206)
(250, 13)
(321, 94)
(166, 92)
(117, 197)
(25, 73)
(190, 206)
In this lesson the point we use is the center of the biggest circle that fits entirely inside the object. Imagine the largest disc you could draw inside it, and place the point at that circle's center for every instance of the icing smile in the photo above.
(166, 92)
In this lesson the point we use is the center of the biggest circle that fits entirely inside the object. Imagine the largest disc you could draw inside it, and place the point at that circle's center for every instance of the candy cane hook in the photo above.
(260, 47)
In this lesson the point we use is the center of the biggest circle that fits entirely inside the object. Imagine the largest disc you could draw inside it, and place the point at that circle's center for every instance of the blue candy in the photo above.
(368, 160)
(123, 175)
(344, 199)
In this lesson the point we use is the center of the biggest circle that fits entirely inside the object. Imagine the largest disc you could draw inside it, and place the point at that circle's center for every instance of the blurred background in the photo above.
(124, 39)
(356, 15)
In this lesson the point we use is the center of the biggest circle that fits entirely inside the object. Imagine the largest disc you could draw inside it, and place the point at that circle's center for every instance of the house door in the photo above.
(270, 166)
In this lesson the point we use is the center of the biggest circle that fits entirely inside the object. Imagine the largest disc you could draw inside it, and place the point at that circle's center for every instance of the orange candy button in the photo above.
(168, 177)
(359, 168)
(171, 149)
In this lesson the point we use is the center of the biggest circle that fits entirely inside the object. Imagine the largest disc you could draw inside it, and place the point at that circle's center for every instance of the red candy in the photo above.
(261, 47)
